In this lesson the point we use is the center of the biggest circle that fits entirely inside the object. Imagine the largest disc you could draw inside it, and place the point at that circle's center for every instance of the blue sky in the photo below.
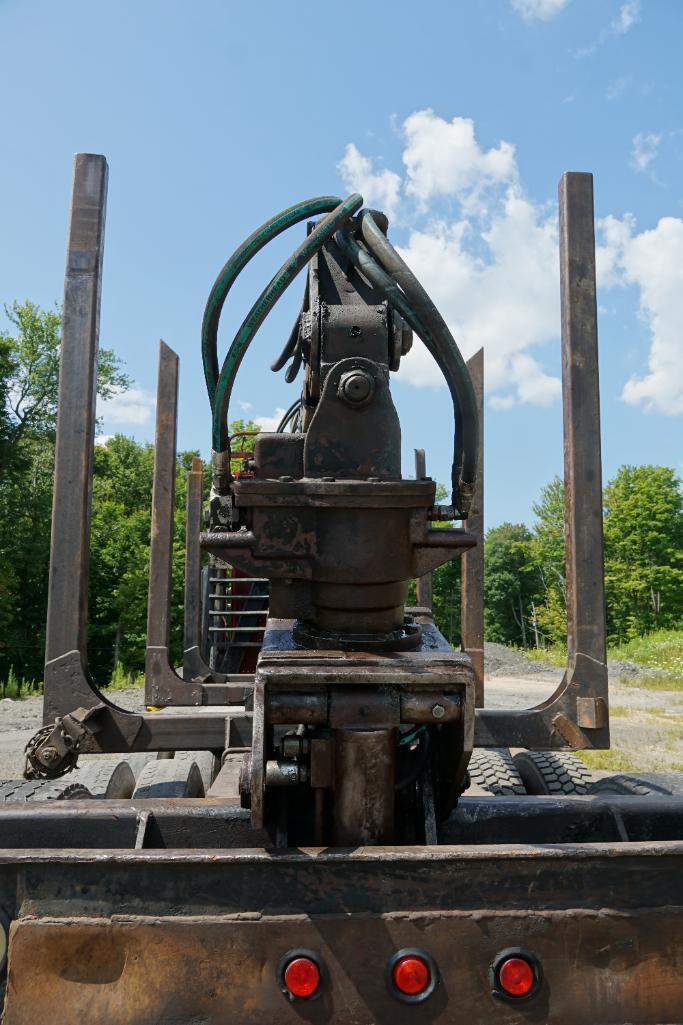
(459, 116)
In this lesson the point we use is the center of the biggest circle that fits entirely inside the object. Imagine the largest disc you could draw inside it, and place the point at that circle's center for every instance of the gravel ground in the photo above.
(647, 725)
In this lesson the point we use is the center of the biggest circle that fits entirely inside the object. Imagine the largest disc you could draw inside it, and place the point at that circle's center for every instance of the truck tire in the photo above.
(493, 771)
(110, 778)
(640, 784)
(551, 772)
(169, 778)
(207, 763)
(64, 789)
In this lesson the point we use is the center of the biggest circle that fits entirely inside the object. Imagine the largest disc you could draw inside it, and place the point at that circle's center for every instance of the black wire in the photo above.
(420, 759)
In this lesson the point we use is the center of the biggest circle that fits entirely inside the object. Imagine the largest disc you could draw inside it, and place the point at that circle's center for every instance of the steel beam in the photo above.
(67, 612)
(472, 565)
(163, 686)
(194, 666)
(576, 715)
(68, 685)
(581, 406)
(423, 585)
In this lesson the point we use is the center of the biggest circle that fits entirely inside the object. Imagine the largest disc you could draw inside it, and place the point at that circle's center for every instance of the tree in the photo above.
(31, 372)
(511, 585)
(643, 550)
(546, 554)
(29, 368)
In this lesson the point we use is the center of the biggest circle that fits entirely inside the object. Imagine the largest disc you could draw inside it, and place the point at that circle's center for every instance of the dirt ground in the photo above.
(647, 725)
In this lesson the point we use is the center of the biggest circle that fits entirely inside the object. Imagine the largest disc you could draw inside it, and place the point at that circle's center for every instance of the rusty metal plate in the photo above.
(597, 966)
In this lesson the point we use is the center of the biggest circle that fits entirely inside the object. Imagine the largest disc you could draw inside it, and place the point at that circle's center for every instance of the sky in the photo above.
(455, 117)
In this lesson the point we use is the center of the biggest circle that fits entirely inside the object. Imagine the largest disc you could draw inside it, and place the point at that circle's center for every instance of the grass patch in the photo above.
(122, 680)
(18, 687)
(551, 656)
(613, 761)
(660, 681)
(620, 711)
(662, 650)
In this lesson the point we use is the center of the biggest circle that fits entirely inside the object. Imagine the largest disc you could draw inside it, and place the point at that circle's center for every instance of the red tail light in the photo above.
(412, 976)
(301, 977)
(515, 974)
(516, 977)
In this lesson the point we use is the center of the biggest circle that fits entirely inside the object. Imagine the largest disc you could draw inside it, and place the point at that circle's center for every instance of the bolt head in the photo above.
(49, 755)
(356, 387)
(438, 711)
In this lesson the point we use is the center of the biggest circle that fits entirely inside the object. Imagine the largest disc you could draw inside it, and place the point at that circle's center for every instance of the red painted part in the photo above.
(516, 977)
(302, 977)
(411, 975)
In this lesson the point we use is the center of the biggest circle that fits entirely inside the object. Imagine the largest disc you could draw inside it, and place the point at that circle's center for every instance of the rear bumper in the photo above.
(182, 936)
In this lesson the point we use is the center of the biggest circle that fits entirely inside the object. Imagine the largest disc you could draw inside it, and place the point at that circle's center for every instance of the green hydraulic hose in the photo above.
(236, 264)
(449, 359)
(265, 302)
(442, 347)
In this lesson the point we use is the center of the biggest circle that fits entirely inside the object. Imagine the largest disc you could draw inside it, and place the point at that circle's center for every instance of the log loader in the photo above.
(318, 819)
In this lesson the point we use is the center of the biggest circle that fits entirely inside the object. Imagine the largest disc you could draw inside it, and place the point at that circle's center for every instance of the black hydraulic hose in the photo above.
(449, 359)
(462, 487)
(289, 348)
(289, 415)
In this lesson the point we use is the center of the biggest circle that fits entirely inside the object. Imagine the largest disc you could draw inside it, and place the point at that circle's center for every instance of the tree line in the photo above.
(524, 566)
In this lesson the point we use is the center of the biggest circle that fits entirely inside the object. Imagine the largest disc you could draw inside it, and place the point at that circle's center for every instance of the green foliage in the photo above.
(511, 585)
(643, 551)
(17, 687)
(121, 680)
(29, 369)
(29, 373)
(662, 651)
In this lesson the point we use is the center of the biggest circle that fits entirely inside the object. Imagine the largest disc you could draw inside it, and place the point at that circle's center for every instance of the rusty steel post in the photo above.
(472, 566)
(192, 657)
(67, 614)
(577, 715)
(582, 456)
(162, 685)
(423, 585)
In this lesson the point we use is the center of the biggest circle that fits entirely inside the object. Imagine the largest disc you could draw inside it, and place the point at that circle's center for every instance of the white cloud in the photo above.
(131, 408)
(485, 252)
(653, 261)
(616, 88)
(379, 188)
(627, 16)
(270, 423)
(489, 259)
(539, 10)
(444, 158)
(645, 147)
(102, 439)
(246, 407)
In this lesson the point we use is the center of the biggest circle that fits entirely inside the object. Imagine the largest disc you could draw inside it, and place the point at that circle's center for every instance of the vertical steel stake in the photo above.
(162, 685)
(67, 614)
(472, 567)
(423, 585)
(581, 406)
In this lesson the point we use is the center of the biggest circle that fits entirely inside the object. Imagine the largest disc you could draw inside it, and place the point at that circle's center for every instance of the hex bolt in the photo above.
(356, 387)
(438, 711)
(49, 755)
